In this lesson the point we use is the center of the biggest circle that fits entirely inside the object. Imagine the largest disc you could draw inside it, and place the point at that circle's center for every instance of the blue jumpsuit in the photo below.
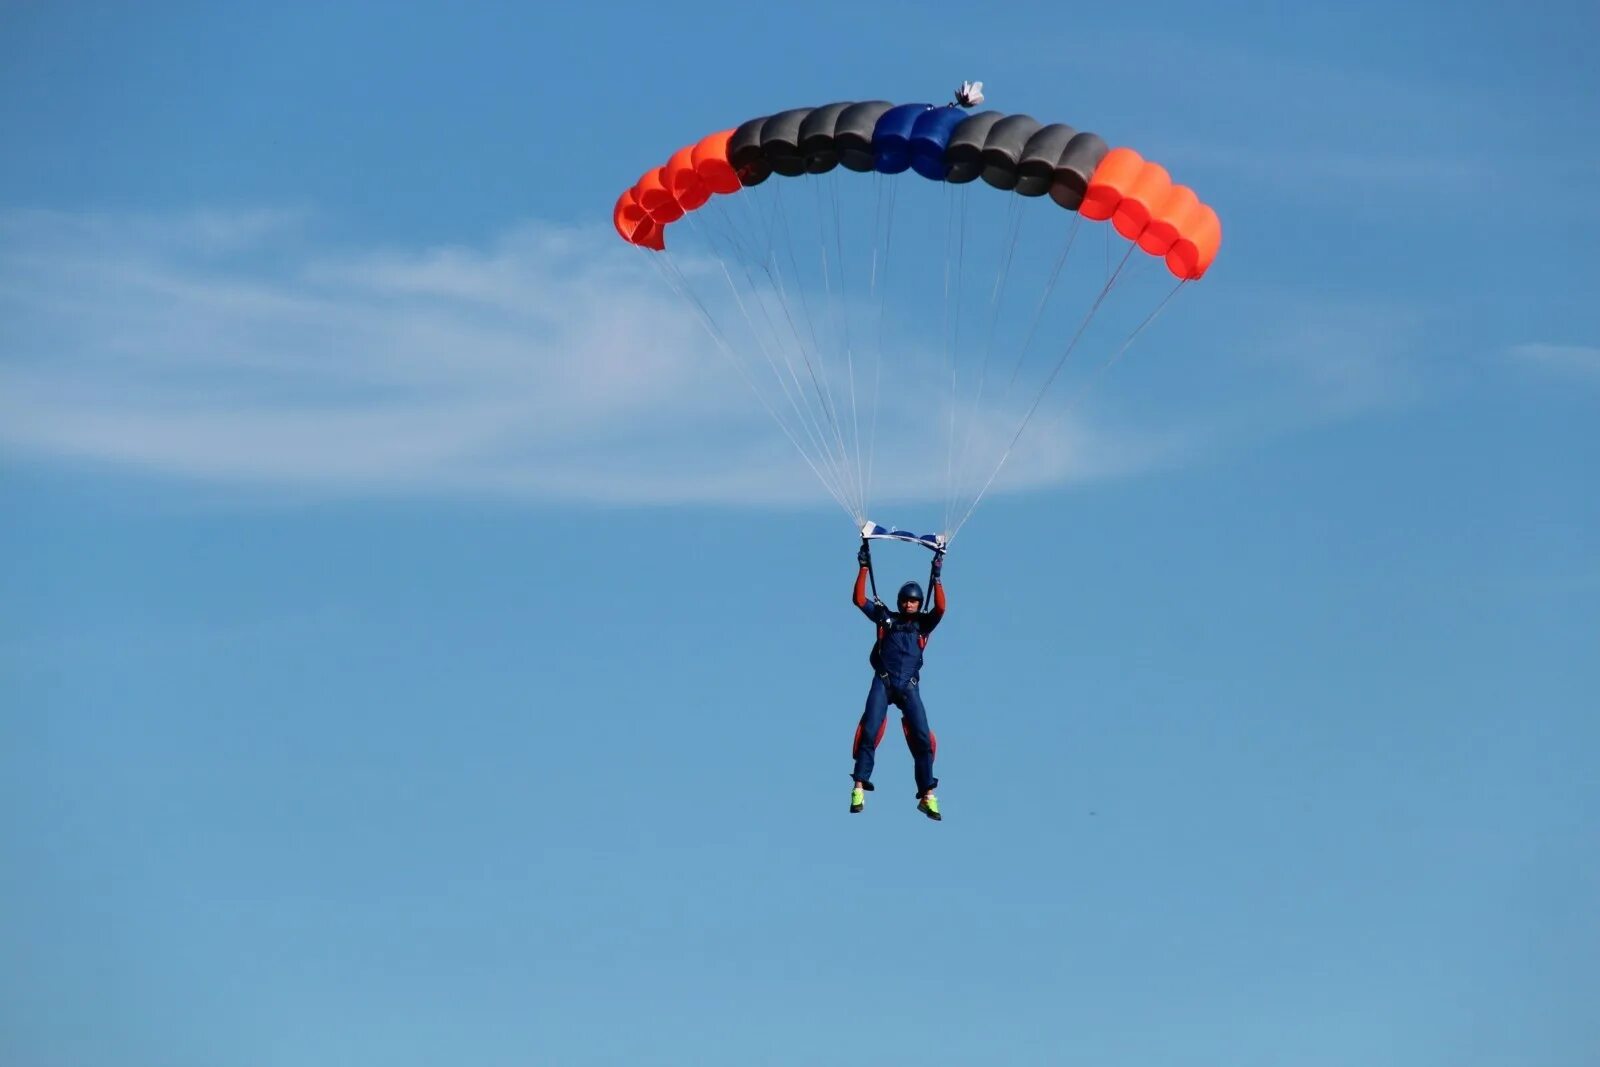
(896, 664)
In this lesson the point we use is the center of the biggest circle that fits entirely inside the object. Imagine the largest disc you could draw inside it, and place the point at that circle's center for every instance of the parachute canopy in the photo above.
(1016, 153)
(813, 320)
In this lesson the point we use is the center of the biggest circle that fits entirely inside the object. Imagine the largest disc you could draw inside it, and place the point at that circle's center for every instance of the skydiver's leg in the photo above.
(869, 732)
(919, 738)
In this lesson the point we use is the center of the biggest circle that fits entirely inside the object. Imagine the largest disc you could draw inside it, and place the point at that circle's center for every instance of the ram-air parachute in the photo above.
(903, 333)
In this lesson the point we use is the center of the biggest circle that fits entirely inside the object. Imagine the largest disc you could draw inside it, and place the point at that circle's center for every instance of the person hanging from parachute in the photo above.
(897, 665)
(799, 362)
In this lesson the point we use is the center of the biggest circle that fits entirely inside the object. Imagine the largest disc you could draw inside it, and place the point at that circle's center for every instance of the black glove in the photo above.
(864, 556)
(938, 564)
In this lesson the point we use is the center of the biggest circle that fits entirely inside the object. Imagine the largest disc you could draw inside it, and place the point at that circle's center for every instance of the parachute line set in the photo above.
(858, 337)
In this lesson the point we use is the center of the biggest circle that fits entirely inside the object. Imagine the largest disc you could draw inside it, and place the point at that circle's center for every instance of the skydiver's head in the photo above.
(910, 597)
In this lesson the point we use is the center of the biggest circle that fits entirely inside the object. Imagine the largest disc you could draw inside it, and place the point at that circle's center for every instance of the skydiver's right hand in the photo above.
(864, 555)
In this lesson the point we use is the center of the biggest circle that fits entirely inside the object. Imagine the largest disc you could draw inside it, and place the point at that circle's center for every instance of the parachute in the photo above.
(904, 333)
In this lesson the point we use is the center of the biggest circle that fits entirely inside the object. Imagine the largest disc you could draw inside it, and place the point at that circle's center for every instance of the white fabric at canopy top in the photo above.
(904, 334)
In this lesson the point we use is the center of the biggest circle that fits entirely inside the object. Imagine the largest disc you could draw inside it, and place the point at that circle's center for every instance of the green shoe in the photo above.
(929, 806)
(858, 799)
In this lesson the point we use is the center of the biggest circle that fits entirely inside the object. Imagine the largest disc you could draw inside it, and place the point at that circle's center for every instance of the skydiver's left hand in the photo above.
(938, 564)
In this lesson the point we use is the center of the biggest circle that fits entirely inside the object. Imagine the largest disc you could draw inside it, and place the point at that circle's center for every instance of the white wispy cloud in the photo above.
(1581, 362)
(551, 362)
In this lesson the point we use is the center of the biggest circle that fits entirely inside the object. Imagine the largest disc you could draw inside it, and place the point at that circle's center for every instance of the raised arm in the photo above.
(935, 612)
(858, 597)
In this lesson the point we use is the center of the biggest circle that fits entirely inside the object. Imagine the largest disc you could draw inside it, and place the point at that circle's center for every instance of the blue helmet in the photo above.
(909, 591)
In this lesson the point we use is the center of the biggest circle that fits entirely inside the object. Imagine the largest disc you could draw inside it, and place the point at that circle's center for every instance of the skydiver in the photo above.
(896, 663)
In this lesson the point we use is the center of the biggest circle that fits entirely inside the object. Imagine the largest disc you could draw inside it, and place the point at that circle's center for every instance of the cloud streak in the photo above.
(553, 364)
(1573, 362)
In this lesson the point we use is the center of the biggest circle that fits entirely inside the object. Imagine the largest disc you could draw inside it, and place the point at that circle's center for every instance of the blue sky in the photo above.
(415, 652)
